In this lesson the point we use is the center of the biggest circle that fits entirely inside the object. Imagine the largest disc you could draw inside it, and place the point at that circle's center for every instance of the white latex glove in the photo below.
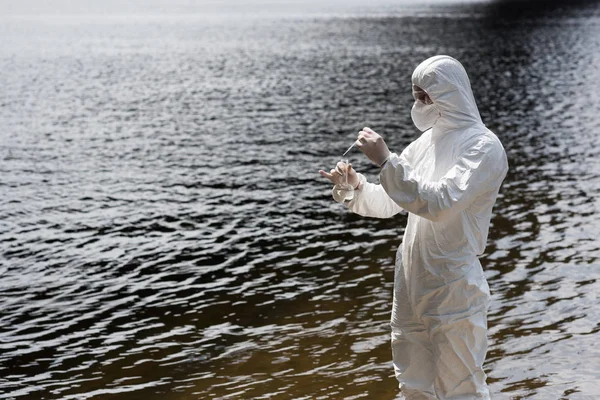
(373, 145)
(336, 175)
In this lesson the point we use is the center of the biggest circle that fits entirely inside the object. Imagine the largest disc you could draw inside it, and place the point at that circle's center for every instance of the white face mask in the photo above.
(424, 116)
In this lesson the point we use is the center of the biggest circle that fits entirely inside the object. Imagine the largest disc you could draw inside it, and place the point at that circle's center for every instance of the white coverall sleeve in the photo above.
(373, 201)
(476, 171)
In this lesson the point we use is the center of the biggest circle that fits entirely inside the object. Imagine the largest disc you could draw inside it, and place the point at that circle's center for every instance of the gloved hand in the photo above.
(336, 175)
(373, 145)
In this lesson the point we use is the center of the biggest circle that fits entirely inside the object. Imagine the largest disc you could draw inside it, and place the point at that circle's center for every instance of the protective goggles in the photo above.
(421, 95)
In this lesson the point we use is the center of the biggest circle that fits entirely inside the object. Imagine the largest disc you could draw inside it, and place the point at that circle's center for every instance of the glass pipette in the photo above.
(349, 148)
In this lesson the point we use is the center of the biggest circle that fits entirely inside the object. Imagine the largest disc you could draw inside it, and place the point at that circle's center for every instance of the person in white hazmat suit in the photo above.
(448, 180)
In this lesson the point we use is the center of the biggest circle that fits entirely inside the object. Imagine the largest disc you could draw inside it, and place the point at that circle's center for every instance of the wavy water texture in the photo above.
(165, 233)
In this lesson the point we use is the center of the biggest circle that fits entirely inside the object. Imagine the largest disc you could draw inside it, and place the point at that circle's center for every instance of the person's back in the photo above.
(466, 230)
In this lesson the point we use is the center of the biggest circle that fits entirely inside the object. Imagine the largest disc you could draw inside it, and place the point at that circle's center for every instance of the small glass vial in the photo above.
(343, 192)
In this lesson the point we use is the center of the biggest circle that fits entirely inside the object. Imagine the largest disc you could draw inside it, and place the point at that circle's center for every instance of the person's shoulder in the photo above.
(485, 144)
(494, 150)
(491, 136)
(485, 139)
(494, 143)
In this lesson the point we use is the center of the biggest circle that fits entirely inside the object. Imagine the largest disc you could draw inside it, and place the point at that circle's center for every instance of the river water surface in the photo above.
(164, 232)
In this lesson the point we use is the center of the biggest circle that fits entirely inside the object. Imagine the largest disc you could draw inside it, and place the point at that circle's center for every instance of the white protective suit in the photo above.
(448, 179)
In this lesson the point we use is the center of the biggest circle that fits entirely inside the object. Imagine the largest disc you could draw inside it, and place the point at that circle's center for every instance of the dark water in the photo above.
(165, 234)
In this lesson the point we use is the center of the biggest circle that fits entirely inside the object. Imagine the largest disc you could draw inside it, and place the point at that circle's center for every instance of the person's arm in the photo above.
(371, 200)
(479, 169)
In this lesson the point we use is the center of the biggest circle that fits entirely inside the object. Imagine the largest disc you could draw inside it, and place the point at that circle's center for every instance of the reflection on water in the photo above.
(165, 233)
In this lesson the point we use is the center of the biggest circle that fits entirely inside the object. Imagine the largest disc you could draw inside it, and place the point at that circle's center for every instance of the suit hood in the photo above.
(447, 84)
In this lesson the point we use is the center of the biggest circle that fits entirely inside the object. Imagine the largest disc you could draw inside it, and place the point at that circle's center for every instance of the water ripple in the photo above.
(165, 233)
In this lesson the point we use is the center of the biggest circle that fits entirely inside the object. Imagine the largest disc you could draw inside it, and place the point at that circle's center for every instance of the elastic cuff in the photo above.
(385, 161)
(361, 181)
